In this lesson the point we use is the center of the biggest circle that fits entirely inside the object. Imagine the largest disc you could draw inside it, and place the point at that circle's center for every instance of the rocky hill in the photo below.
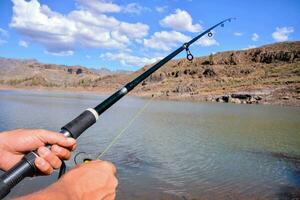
(29, 73)
(271, 71)
(268, 74)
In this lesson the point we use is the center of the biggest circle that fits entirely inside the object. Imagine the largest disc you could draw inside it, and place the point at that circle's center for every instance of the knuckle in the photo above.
(66, 154)
(74, 147)
(61, 152)
(115, 182)
(108, 165)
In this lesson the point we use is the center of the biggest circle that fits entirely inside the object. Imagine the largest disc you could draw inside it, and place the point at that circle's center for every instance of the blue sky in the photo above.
(126, 34)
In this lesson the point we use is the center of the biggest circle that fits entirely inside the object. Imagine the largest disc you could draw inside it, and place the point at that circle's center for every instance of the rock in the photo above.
(258, 98)
(78, 71)
(285, 98)
(209, 72)
(251, 100)
(219, 99)
(210, 98)
(239, 99)
(223, 99)
(241, 96)
(235, 100)
(70, 70)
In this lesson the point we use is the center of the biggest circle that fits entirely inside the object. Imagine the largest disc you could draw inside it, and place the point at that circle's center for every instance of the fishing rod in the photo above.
(27, 168)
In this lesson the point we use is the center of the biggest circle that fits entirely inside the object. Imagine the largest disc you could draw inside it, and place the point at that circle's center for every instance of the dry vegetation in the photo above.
(271, 71)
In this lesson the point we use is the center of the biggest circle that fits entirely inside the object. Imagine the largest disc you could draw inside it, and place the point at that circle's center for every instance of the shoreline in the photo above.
(145, 95)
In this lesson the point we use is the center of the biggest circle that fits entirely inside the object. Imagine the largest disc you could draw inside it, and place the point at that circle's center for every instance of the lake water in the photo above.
(175, 150)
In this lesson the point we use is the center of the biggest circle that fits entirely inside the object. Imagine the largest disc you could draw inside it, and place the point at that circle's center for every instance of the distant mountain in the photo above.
(105, 71)
(271, 71)
(27, 73)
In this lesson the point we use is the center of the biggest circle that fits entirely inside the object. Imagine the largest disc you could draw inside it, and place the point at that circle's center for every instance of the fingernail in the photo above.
(39, 161)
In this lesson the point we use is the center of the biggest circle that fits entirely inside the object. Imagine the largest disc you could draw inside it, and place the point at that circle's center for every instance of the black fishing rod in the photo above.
(26, 167)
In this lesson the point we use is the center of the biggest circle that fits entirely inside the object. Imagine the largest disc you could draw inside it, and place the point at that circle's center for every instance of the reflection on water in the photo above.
(176, 150)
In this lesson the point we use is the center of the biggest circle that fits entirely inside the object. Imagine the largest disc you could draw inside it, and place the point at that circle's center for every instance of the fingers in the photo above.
(43, 166)
(50, 137)
(49, 157)
(61, 152)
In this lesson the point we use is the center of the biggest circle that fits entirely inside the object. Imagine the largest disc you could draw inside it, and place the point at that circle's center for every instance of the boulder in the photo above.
(223, 99)
(235, 100)
(209, 72)
(239, 99)
(241, 96)
(285, 98)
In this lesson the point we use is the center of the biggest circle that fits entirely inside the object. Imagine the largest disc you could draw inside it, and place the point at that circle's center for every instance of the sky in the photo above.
(127, 34)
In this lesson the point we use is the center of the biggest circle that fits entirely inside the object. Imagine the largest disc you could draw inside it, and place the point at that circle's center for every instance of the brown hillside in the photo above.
(271, 71)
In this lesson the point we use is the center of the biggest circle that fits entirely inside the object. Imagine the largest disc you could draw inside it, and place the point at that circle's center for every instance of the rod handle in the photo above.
(78, 125)
(24, 168)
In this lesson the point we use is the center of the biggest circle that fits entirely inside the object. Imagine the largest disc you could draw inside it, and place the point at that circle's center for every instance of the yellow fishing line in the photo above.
(126, 127)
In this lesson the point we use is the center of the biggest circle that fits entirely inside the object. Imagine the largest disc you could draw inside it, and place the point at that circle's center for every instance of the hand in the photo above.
(94, 180)
(14, 144)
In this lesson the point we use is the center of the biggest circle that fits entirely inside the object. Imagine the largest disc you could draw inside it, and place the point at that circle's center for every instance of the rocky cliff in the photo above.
(269, 74)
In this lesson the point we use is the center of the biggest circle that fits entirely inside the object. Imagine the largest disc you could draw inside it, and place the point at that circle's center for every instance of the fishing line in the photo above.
(26, 166)
(114, 141)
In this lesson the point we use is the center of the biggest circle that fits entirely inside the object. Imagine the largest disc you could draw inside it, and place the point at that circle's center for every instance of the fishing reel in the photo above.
(82, 157)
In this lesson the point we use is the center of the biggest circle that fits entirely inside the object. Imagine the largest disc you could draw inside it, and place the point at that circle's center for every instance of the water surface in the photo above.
(175, 150)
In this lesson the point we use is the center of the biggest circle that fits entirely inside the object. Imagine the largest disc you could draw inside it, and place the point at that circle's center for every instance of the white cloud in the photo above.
(181, 20)
(3, 36)
(134, 8)
(100, 6)
(206, 41)
(137, 30)
(60, 34)
(282, 33)
(88, 18)
(254, 37)
(238, 33)
(88, 56)
(165, 40)
(23, 43)
(161, 9)
(250, 47)
(3, 33)
(104, 6)
(128, 59)
(62, 53)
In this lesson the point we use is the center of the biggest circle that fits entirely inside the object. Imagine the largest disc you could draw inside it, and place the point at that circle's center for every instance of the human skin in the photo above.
(14, 144)
(95, 180)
